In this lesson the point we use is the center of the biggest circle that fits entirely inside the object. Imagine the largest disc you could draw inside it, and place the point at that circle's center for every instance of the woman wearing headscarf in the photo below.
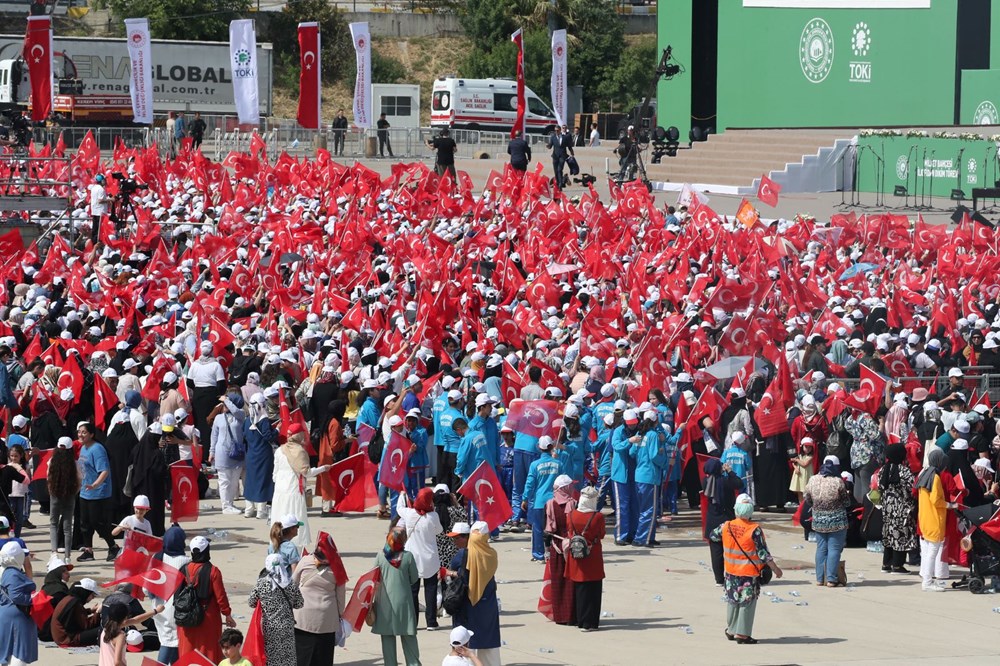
(899, 525)
(422, 525)
(932, 511)
(811, 423)
(322, 580)
(227, 451)
(205, 637)
(252, 387)
(449, 512)
(394, 613)
(557, 536)
(261, 438)
(480, 612)
(325, 390)
(291, 470)
(150, 475)
(867, 449)
(828, 496)
(333, 446)
(166, 628)
(170, 398)
(736, 417)
(125, 430)
(720, 488)
(746, 555)
(587, 573)
(18, 633)
(207, 383)
(278, 596)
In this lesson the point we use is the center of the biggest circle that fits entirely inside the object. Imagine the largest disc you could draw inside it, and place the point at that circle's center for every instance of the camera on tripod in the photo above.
(127, 186)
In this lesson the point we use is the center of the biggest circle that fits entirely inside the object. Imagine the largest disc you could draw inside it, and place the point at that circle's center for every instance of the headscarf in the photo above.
(588, 500)
(395, 541)
(838, 353)
(830, 466)
(482, 564)
(937, 460)
(276, 571)
(335, 411)
(744, 507)
(202, 556)
(327, 553)
(133, 400)
(563, 490)
(53, 584)
(298, 459)
(895, 455)
(12, 556)
(713, 478)
(424, 503)
(173, 541)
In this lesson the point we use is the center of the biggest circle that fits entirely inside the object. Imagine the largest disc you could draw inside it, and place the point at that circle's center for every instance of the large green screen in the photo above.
(980, 97)
(822, 67)
(929, 165)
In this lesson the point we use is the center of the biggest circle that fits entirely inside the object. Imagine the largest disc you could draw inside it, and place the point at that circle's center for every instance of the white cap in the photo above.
(459, 528)
(140, 502)
(129, 363)
(170, 377)
(19, 421)
(479, 526)
(395, 420)
(985, 463)
(133, 637)
(288, 521)
(562, 481)
(90, 584)
(571, 411)
(199, 543)
(483, 399)
(956, 372)
(109, 373)
(960, 445)
(64, 443)
(461, 636)
(607, 390)
(630, 415)
(447, 382)
(962, 426)
(454, 395)
(55, 561)
(544, 442)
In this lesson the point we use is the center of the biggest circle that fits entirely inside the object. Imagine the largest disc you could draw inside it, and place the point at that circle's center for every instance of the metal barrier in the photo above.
(978, 380)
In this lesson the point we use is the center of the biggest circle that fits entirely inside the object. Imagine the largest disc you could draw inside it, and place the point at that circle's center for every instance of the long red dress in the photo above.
(556, 601)
(205, 637)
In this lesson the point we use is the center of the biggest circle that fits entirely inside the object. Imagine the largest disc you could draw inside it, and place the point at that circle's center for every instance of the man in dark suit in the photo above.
(561, 145)
(519, 151)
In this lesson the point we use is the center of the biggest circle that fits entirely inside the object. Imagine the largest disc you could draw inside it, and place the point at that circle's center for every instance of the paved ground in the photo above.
(660, 602)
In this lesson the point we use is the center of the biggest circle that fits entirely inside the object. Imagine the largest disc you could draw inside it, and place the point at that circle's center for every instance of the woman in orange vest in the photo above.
(745, 554)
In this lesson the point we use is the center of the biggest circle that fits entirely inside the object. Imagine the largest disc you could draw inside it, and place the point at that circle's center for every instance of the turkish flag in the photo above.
(128, 564)
(41, 608)
(142, 543)
(220, 336)
(511, 383)
(184, 496)
(11, 244)
(484, 490)
(767, 191)
(42, 465)
(345, 474)
(365, 434)
(147, 661)
(309, 76)
(362, 598)
(533, 417)
(38, 56)
(392, 471)
(161, 579)
(780, 395)
(161, 366)
(362, 494)
(105, 400)
(874, 384)
(193, 658)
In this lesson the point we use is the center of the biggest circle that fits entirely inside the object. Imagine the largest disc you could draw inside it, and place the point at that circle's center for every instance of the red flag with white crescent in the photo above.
(184, 498)
(362, 598)
(533, 417)
(309, 76)
(345, 474)
(38, 56)
(392, 471)
(160, 579)
(484, 490)
(518, 40)
(767, 191)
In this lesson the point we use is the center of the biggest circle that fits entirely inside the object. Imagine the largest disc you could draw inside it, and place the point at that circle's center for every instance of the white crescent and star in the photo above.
(184, 480)
(530, 412)
(485, 482)
(366, 603)
(308, 58)
(346, 473)
(41, 52)
(392, 458)
(159, 580)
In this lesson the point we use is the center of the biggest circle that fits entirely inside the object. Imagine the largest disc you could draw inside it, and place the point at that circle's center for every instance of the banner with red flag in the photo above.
(345, 474)
(129, 563)
(142, 543)
(484, 490)
(309, 76)
(184, 496)
(518, 40)
(361, 494)
(392, 470)
(37, 53)
(42, 464)
(767, 191)
(533, 417)
(362, 598)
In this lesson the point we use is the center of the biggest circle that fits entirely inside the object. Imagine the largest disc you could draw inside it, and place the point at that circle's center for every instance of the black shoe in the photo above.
(886, 569)
(28, 524)
(747, 641)
(900, 570)
(623, 543)
(654, 542)
(113, 553)
(85, 556)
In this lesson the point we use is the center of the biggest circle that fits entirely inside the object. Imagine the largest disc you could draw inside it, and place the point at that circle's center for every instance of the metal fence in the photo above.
(982, 379)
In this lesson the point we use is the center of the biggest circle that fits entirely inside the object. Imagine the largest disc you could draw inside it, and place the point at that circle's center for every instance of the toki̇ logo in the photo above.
(861, 43)
(816, 50)
(243, 65)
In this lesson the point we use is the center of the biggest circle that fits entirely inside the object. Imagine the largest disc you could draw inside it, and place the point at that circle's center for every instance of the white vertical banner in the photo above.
(243, 55)
(559, 103)
(141, 82)
(363, 83)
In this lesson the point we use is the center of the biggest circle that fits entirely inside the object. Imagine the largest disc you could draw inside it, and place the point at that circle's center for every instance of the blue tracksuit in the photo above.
(650, 461)
(623, 476)
(506, 473)
(488, 427)
(600, 410)
(525, 453)
(416, 467)
(449, 437)
(602, 452)
(539, 489)
(672, 472)
(573, 457)
(473, 451)
(440, 404)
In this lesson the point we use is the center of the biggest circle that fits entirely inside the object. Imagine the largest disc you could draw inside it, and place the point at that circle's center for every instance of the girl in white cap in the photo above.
(460, 654)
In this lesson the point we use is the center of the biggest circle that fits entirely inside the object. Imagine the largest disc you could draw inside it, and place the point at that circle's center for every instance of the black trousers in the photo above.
(338, 141)
(384, 144)
(430, 600)
(588, 603)
(314, 649)
(95, 517)
(718, 565)
(95, 229)
(446, 469)
(893, 558)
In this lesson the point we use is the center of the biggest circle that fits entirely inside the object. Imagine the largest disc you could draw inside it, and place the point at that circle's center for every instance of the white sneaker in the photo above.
(231, 511)
(932, 588)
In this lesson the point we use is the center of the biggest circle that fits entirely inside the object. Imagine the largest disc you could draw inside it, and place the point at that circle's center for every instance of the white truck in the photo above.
(92, 78)
(486, 104)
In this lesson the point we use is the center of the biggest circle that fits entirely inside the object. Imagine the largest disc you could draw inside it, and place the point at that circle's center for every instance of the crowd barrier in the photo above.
(982, 379)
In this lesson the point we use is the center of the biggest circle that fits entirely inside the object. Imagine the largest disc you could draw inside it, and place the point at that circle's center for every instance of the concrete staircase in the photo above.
(732, 162)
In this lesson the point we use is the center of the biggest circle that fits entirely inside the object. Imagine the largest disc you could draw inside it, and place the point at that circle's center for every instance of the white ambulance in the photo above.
(486, 104)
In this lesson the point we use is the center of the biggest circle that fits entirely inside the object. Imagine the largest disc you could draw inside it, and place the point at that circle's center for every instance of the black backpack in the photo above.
(457, 590)
(189, 600)
(375, 447)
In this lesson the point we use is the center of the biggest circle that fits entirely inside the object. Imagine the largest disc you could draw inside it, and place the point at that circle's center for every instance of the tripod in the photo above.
(121, 208)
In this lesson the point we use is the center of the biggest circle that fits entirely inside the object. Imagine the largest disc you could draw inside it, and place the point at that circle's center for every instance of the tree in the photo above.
(337, 56)
(195, 20)
(628, 84)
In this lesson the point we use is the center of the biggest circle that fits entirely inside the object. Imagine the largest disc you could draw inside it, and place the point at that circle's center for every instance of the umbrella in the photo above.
(856, 270)
(731, 365)
(286, 258)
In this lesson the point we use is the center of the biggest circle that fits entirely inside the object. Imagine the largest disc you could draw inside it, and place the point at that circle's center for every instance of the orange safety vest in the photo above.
(736, 534)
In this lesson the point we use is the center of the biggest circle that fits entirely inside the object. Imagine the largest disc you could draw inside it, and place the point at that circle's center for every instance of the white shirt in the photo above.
(98, 205)
(421, 537)
(133, 523)
(595, 138)
(455, 660)
(206, 372)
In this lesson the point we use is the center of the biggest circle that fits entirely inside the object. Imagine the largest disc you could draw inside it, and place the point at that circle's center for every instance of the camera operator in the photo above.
(445, 147)
(628, 149)
(5, 139)
(22, 130)
(98, 207)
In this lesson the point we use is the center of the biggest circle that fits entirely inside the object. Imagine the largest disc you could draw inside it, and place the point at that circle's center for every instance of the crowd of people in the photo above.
(605, 361)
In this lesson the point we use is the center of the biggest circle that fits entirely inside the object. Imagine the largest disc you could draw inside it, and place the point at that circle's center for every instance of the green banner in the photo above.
(933, 165)
(980, 97)
(802, 66)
